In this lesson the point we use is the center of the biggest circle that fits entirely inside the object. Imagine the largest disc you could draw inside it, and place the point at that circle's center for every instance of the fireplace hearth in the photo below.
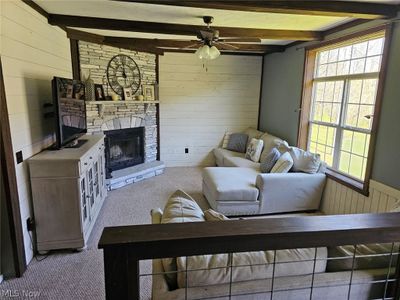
(124, 148)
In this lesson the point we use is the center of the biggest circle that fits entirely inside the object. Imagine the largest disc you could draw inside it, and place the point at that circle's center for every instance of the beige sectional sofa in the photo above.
(252, 275)
(237, 186)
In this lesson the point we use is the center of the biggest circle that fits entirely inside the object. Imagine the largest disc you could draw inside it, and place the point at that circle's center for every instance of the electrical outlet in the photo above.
(186, 150)
(19, 157)
(30, 224)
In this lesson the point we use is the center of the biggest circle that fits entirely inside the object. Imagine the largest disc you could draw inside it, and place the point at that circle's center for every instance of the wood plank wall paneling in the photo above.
(339, 199)
(32, 53)
(198, 106)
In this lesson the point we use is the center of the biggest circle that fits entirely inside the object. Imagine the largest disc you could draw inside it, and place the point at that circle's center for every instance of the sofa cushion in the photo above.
(212, 215)
(305, 161)
(270, 142)
(237, 142)
(220, 154)
(230, 184)
(284, 164)
(215, 269)
(254, 149)
(361, 263)
(241, 163)
(252, 133)
(269, 161)
(180, 208)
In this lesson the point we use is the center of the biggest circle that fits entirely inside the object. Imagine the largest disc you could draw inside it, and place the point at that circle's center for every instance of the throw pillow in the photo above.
(305, 161)
(212, 215)
(252, 133)
(270, 160)
(180, 208)
(254, 149)
(284, 164)
(270, 142)
(226, 140)
(237, 142)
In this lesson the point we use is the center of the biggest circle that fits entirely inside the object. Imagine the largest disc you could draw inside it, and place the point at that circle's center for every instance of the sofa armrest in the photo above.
(283, 192)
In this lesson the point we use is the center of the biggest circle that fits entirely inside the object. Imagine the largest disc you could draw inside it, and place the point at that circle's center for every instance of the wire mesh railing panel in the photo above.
(342, 272)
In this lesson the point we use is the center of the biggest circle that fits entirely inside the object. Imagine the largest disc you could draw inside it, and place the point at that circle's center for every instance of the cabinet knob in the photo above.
(85, 164)
(90, 157)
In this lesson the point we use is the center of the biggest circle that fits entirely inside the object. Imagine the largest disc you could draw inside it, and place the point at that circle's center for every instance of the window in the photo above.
(343, 84)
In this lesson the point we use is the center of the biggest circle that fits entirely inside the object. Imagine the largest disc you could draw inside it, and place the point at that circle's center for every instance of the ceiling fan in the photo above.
(209, 41)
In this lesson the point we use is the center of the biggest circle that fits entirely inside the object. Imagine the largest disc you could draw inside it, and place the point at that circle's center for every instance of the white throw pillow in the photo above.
(226, 139)
(254, 149)
(284, 164)
(305, 161)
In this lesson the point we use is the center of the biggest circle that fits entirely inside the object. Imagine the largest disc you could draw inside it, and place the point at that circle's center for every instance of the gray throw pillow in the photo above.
(237, 142)
(269, 160)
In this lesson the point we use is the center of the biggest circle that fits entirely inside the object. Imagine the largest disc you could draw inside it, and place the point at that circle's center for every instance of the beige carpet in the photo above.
(66, 275)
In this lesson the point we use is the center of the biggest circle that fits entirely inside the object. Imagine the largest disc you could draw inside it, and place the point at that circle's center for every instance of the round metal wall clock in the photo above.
(123, 72)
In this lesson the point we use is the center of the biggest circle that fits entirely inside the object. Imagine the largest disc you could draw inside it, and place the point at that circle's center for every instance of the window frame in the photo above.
(361, 186)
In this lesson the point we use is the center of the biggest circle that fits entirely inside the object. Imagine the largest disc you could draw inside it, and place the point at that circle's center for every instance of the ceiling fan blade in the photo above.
(240, 40)
(193, 45)
(226, 46)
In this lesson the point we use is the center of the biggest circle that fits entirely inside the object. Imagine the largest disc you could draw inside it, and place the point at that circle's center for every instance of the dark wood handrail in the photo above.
(124, 246)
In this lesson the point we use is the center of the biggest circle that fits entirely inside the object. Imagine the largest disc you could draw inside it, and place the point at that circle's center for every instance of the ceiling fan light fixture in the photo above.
(203, 52)
(214, 53)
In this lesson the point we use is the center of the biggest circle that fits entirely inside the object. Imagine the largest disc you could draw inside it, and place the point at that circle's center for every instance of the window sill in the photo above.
(354, 184)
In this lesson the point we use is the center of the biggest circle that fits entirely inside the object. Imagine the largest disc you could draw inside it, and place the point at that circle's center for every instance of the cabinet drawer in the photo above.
(92, 156)
(53, 169)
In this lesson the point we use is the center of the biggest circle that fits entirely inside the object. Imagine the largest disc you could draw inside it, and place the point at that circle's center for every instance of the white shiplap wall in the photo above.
(32, 53)
(339, 199)
(198, 106)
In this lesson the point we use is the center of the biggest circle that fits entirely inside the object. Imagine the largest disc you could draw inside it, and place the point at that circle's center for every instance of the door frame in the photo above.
(10, 184)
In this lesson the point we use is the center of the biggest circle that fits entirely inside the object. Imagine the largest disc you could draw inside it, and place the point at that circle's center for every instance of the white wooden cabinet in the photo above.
(68, 191)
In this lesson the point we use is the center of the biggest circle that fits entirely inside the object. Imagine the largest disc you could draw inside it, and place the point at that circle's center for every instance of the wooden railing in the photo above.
(125, 246)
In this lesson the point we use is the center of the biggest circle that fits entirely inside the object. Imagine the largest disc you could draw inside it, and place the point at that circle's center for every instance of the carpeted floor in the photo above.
(66, 275)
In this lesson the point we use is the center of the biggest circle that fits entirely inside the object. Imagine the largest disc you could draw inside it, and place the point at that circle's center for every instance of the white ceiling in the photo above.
(186, 15)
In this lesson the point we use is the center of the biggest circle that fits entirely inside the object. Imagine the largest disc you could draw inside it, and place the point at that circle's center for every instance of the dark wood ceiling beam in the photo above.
(352, 9)
(100, 39)
(178, 29)
(165, 43)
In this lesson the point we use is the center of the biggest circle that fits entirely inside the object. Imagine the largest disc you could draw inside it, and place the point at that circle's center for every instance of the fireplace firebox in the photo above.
(124, 148)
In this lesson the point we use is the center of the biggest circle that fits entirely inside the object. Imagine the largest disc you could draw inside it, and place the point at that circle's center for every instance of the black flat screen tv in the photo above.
(70, 110)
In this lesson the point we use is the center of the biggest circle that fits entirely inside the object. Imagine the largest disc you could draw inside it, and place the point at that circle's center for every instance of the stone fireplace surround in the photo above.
(104, 116)
(115, 115)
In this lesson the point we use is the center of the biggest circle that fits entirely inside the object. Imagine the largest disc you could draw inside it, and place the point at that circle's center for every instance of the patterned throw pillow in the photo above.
(284, 164)
(226, 140)
(254, 149)
(270, 160)
(237, 142)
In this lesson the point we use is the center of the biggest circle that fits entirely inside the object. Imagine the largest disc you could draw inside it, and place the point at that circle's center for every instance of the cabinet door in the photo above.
(90, 190)
(102, 165)
(84, 203)
(96, 181)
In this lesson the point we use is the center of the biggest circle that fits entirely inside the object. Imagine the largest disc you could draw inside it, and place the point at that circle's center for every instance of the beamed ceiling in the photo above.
(159, 26)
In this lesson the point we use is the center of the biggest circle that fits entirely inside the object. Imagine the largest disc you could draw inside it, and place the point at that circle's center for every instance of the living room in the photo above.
(269, 114)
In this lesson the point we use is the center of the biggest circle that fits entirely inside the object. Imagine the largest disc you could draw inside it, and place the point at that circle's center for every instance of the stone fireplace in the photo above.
(124, 148)
(131, 139)
(118, 115)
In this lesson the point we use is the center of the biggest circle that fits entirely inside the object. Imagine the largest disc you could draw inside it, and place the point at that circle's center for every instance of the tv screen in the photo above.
(70, 110)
